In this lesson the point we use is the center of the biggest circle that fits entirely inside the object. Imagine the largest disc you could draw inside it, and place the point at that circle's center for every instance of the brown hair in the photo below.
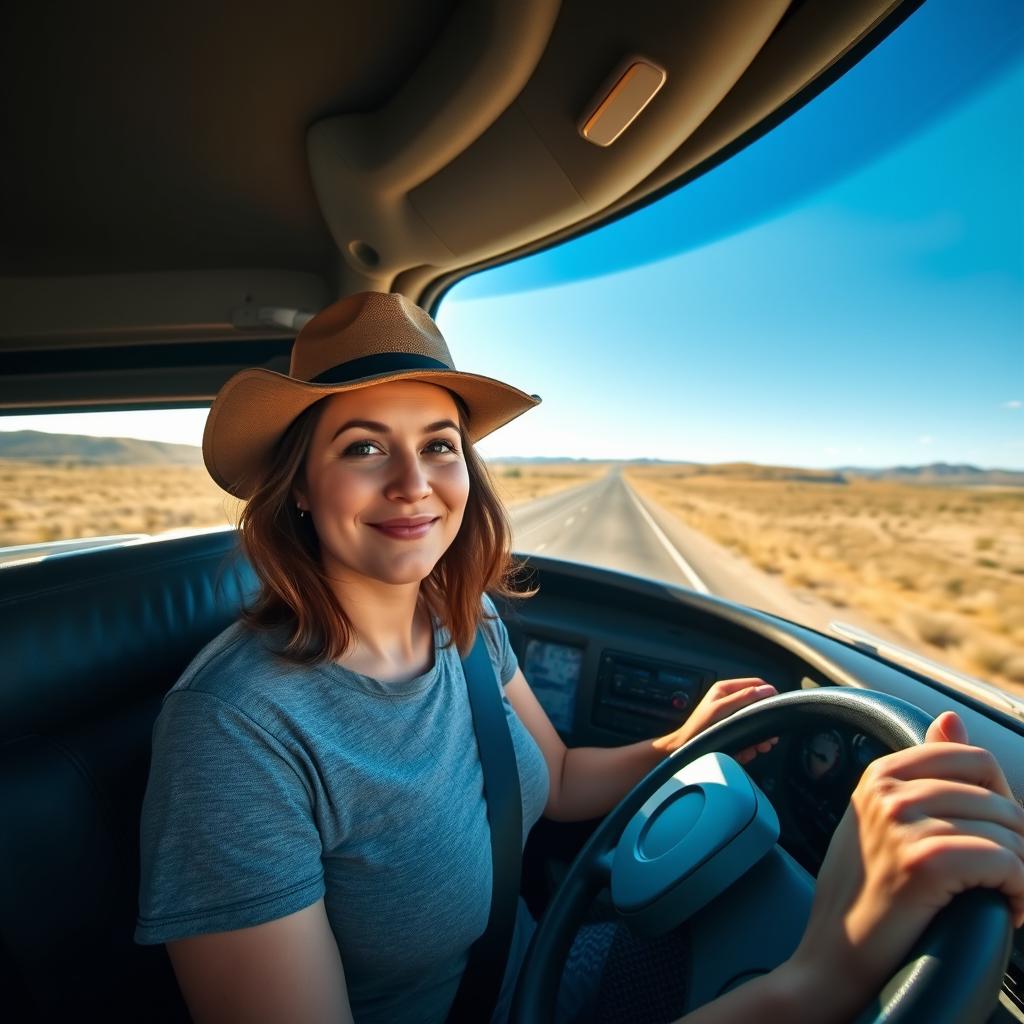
(284, 551)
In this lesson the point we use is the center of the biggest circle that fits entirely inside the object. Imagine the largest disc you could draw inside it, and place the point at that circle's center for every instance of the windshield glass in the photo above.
(799, 380)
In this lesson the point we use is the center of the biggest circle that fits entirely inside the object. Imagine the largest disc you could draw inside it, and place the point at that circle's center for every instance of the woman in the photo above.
(314, 839)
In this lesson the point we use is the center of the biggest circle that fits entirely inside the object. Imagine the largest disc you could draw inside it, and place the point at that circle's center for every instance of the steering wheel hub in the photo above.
(697, 834)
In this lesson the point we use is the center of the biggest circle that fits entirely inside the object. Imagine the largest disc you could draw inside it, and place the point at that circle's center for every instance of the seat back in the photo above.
(89, 643)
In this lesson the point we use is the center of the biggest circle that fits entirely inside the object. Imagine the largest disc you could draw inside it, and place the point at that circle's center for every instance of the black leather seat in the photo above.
(89, 643)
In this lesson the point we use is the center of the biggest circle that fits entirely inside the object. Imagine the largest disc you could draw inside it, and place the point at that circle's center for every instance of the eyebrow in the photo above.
(383, 428)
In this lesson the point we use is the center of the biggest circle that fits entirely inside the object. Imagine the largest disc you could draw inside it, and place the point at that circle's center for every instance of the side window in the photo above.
(77, 480)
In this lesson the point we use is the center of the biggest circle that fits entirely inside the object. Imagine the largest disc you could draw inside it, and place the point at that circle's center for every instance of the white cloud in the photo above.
(1013, 404)
(926, 439)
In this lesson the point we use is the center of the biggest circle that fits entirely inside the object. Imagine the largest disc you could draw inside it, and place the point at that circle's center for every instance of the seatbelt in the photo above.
(480, 987)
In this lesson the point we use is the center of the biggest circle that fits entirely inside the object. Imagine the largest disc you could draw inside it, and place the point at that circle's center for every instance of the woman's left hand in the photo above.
(721, 700)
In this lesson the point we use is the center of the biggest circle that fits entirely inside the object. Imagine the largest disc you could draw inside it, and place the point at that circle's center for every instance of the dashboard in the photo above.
(809, 776)
(613, 659)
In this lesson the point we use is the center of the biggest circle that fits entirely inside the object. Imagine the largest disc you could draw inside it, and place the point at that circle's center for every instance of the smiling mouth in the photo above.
(405, 532)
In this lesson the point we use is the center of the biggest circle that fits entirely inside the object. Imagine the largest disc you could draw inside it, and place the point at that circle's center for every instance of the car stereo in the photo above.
(642, 696)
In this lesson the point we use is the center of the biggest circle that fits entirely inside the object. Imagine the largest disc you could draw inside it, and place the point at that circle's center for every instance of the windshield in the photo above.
(796, 383)
(799, 380)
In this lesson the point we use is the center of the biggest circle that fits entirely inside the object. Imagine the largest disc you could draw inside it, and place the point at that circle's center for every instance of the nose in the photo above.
(409, 482)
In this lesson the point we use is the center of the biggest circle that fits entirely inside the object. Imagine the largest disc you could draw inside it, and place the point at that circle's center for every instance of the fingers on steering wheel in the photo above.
(748, 754)
(917, 799)
(724, 687)
(953, 761)
(973, 856)
(740, 698)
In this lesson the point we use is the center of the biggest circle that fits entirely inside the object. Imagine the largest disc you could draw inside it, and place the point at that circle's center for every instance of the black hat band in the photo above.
(382, 362)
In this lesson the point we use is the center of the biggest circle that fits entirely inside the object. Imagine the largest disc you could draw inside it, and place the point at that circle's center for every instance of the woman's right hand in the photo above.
(923, 825)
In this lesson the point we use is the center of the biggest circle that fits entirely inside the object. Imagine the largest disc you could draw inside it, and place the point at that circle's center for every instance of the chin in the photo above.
(415, 571)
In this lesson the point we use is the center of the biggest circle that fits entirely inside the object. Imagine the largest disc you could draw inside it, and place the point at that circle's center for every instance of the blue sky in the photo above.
(847, 290)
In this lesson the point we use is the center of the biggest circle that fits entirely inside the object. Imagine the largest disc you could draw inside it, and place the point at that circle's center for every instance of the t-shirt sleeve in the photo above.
(228, 837)
(499, 645)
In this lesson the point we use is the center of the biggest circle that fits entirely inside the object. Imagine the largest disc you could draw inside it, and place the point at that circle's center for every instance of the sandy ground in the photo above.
(939, 570)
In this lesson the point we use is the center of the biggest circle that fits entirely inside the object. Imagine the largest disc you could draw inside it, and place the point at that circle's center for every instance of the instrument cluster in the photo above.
(810, 783)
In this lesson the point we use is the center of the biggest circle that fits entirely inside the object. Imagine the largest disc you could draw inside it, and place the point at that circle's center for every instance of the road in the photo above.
(606, 523)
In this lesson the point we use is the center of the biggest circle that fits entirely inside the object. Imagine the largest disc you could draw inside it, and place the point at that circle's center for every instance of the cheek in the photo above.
(342, 492)
(455, 485)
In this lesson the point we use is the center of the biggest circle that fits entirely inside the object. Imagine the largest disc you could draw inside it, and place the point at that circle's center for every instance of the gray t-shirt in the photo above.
(272, 785)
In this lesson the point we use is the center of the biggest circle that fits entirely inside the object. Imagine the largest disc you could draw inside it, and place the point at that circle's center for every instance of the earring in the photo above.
(302, 511)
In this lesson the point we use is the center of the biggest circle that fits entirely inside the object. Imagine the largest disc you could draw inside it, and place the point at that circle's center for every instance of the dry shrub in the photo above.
(990, 656)
(1013, 668)
(938, 630)
(944, 565)
(62, 502)
(524, 482)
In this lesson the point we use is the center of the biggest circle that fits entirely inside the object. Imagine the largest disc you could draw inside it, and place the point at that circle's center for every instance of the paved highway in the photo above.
(607, 523)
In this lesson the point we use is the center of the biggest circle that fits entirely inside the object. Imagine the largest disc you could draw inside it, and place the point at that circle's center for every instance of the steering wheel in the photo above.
(692, 842)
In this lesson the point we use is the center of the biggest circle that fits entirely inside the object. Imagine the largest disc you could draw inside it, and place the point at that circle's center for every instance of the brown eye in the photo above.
(353, 449)
(448, 446)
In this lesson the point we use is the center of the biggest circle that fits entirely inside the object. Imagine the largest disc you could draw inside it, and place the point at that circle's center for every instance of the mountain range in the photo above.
(36, 446)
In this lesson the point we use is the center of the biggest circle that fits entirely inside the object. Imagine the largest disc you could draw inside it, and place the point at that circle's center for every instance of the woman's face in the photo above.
(386, 452)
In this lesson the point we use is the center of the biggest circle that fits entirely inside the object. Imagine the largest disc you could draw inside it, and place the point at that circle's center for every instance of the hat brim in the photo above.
(254, 408)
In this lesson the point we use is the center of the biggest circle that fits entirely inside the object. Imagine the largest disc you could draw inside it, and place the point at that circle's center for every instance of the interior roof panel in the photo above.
(160, 182)
(219, 101)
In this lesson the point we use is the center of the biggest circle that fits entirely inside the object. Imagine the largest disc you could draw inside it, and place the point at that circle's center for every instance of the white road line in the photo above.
(542, 522)
(570, 520)
(687, 570)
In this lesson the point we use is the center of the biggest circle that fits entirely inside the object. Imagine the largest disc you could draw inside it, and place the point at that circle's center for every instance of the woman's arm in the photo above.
(288, 969)
(587, 782)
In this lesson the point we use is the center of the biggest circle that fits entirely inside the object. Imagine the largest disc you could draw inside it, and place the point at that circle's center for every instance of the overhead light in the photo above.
(252, 315)
(633, 85)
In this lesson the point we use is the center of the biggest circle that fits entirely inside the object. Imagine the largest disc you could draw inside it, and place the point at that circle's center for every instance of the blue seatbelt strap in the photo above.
(480, 987)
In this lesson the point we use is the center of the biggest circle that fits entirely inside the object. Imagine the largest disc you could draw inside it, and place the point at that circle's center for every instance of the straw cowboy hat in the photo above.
(364, 339)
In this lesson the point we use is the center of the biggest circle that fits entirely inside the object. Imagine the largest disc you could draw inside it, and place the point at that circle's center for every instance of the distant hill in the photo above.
(539, 459)
(524, 460)
(963, 475)
(753, 471)
(37, 446)
(936, 474)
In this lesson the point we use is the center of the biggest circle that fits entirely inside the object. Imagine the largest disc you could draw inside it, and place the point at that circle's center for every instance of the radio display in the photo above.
(553, 672)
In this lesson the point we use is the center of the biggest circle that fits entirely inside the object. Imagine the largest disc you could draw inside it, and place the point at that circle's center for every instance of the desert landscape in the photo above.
(518, 482)
(940, 566)
(47, 502)
(41, 502)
